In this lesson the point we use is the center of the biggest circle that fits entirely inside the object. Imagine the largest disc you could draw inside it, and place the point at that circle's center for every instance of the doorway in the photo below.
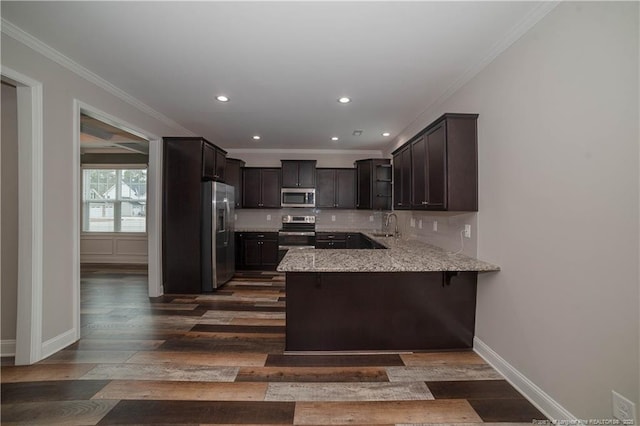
(131, 158)
(28, 284)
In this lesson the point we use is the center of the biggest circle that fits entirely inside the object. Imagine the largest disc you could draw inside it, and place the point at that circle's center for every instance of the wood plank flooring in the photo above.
(218, 359)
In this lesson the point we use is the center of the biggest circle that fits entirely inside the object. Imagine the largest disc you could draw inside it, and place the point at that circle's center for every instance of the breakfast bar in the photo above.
(410, 296)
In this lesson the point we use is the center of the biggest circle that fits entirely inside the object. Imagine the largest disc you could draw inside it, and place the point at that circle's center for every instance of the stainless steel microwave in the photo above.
(298, 197)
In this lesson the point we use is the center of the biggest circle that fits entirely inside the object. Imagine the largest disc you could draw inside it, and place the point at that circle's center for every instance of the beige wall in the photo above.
(9, 226)
(558, 160)
(61, 87)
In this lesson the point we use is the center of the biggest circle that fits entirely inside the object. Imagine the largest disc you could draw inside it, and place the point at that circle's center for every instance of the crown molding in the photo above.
(49, 52)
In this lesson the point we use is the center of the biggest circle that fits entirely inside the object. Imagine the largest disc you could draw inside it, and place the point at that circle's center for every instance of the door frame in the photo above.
(30, 207)
(154, 191)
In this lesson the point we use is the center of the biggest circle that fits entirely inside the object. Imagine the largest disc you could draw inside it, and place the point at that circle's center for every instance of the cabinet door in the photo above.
(269, 253)
(290, 174)
(354, 241)
(325, 191)
(238, 250)
(397, 180)
(208, 161)
(270, 188)
(219, 170)
(419, 186)
(364, 185)
(307, 174)
(402, 179)
(345, 188)
(436, 168)
(251, 252)
(251, 188)
(233, 177)
(406, 177)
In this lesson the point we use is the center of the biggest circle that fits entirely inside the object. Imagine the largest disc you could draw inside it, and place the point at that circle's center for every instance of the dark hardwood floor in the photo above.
(218, 359)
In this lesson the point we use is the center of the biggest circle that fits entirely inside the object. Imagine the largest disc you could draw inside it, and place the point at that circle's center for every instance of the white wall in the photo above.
(326, 158)
(559, 188)
(9, 212)
(61, 87)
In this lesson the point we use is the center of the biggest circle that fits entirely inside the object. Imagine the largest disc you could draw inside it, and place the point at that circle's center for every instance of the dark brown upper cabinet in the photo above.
(298, 173)
(233, 177)
(336, 188)
(444, 165)
(213, 161)
(261, 187)
(373, 184)
(402, 179)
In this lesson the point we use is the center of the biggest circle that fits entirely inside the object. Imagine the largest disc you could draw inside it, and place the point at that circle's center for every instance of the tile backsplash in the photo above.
(411, 224)
(446, 234)
(328, 219)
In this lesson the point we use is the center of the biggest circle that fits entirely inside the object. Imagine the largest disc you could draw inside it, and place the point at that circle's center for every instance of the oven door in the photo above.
(296, 239)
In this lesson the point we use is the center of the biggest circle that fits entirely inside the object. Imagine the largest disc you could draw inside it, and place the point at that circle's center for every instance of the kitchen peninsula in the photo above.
(410, 296)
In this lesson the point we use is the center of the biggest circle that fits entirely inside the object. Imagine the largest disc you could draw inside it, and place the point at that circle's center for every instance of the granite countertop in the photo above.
(400, 256)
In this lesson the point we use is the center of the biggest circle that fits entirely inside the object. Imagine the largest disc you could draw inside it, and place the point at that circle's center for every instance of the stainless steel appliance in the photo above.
(298, 197)
(297, 232)
(218, 239)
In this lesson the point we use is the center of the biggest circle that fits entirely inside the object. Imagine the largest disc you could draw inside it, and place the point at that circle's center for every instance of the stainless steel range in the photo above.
(297, 232)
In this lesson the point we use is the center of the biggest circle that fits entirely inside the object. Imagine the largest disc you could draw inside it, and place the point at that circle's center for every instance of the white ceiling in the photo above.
(283, 64)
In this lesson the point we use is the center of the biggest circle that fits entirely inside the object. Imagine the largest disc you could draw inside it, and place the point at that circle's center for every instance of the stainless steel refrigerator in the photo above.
(218, 247)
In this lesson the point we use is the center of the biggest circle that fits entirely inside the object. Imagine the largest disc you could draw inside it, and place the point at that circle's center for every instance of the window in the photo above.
(114, 199)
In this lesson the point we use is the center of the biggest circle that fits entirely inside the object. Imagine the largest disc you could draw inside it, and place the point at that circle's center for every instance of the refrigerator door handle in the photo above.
(227, 215)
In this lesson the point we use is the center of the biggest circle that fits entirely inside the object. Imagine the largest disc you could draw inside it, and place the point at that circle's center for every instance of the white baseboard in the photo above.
(543, 402)
(8, 347)
(58, 343)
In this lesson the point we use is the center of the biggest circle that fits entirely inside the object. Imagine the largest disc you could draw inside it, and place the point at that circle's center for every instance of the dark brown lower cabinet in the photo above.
(257, 250)
(331, 240)
(380, 311)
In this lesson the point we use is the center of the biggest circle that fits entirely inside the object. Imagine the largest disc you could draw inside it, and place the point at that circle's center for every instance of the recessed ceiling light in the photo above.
(256, 137)
(385, 134)
(357, 133)
(222, 98)
(344, 100)
(335, 138)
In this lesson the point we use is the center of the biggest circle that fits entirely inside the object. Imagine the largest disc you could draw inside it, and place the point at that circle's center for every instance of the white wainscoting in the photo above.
(8, 347)
(113, 248)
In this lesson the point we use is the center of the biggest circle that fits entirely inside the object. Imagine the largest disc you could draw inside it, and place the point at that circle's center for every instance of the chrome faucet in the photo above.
(386, 223)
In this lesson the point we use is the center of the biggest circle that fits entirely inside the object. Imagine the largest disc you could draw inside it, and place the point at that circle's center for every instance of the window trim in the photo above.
(83, 202)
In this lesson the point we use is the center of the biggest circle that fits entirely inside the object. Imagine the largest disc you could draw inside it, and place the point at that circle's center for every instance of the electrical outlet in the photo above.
(467, 231)
(435, 226)
(268, 217)
(413, 223)
(370, 218)
(623, 409)
(419, 223)
(235, 217)
(333, 218)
